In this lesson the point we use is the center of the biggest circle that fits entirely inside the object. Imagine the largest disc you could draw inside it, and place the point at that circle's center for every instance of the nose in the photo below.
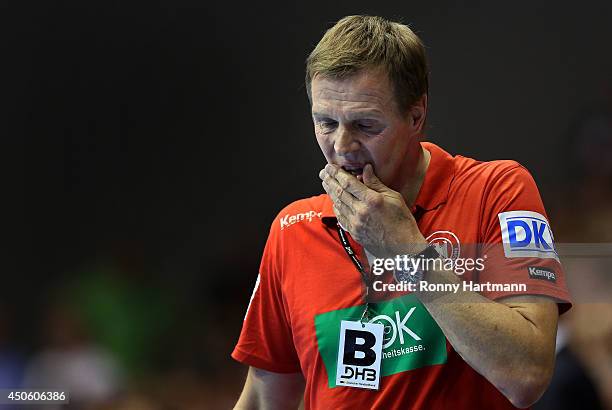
(345, 141)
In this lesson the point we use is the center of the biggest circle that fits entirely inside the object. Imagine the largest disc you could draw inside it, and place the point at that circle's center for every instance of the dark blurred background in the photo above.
(148, 146)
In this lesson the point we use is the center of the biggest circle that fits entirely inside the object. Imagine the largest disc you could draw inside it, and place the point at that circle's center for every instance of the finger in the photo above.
(343, 209)
(347, 181)
(337, 193)
(339, 198)
(322, 173)
(329, 174)
(371, 180)
(342, 220)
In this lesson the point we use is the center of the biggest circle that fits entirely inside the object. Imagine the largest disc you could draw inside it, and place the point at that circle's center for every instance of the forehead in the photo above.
(365, 89)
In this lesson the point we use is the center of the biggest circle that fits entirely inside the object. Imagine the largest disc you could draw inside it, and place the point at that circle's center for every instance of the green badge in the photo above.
(412, 339)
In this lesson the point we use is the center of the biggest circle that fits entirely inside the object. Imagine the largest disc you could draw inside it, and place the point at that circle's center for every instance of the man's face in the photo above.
(356, 121)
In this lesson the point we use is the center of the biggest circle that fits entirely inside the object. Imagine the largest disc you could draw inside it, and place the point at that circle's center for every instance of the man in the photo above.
(389, 194)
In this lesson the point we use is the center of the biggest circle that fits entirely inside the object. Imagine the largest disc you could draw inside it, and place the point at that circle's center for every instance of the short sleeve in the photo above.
(518, 241)
(266, 340)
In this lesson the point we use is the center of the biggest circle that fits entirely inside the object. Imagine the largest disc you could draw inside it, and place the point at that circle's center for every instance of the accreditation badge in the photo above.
(359, 354)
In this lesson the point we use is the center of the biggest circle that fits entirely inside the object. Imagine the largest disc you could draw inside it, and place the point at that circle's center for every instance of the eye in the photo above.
(327, 124)
(369, 126)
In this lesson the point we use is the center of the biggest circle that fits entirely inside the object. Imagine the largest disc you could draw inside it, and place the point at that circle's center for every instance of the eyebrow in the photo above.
(371, 113)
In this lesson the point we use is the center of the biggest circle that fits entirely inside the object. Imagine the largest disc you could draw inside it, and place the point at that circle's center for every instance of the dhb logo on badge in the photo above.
(359, 354)
(526, 234)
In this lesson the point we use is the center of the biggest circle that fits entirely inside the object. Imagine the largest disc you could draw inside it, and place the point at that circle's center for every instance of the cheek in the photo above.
(386, 153)
(382, 151)
(325, 144)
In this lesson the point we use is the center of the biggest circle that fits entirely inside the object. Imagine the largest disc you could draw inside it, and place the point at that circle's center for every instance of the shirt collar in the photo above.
(433, 192)
(438, 178)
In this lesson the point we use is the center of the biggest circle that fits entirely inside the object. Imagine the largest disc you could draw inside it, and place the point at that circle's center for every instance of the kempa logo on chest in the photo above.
(289, 219)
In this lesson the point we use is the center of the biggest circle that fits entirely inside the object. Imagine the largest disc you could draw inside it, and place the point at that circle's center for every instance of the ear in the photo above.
(418, 113)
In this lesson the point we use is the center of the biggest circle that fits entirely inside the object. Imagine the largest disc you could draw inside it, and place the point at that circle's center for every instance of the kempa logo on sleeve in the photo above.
(542, 273)
(289, 219)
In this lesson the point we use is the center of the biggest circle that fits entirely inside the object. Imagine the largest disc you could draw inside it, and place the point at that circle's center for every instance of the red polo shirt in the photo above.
(307, 285)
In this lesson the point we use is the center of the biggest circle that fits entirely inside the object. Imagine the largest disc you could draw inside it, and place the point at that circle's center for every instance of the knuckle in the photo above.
(397, 196)
(375, 200)
(361, 214)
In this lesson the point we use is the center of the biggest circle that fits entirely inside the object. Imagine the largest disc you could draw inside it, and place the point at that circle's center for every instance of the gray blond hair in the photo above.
(355, 43)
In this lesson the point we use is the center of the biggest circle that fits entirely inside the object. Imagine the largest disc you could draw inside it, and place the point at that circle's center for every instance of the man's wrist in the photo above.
(413, 245)
(419, 265)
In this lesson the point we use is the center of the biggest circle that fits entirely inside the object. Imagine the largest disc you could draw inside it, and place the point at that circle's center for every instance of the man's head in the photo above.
(367, 83)
(356, 43)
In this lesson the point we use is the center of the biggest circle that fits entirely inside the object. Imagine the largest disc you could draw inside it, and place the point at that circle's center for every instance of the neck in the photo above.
(414, 181)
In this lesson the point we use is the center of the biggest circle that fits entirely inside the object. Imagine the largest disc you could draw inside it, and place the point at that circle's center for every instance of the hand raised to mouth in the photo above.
(376, 216)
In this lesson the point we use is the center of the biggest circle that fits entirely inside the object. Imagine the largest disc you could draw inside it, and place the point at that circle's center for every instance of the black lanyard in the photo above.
(367, 281)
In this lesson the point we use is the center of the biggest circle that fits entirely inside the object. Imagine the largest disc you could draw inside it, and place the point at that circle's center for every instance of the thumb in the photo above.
(371, 181)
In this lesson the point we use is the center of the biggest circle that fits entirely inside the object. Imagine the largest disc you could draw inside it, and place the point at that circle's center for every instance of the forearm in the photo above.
(500, 341)
(264, 390)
